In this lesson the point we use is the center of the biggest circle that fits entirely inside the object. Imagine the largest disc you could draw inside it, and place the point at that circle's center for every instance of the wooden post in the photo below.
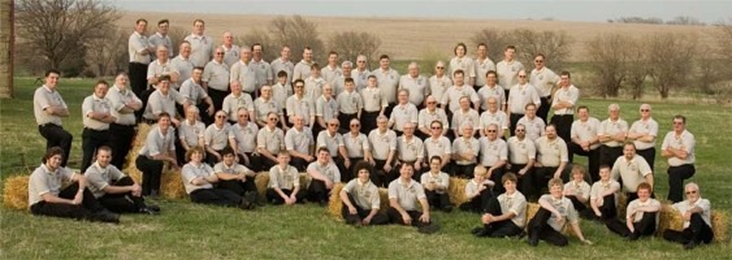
(7, 42)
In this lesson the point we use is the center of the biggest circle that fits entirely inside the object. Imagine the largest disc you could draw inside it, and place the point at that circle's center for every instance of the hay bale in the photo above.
(15, 192)
(137, 144)
(720, 226)
(171, 185)
(457, 190)
(672, 219)
(533, 208)
(335, 205)
(262, 182)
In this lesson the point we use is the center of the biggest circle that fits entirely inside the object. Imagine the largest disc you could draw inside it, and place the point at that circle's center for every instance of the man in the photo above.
(388, 79)
(416, 85)
(161, 37)
(163, 100)
(483, 64)
(451, 97)
(314, 83)
(190, 132)
(508, 69)
(216, 138)
(361, 200)
(198, 179)
(350, 104)
(231, 50)
(435, 183)
(192, 90)
(182, 64)
(357, 147)
(299, 143)
(243, 73)
(383, 148)
(493, 156)
(284, 183)
(555, 213)
(331, 72)
(262, 69)
(283, 63)
(404, 192)
(96, 111)
(563, 104)
(270, 141)
(521, 159)
(326, 109)
(113, 189)
(491, 89)
(238, 100)
(324, 174)
(159, 147)
(643, 133)
(333, 141)
(430, 114)
(520, 95)
(242, 139)
(374, 104)
(409, 149)
(46, 197)
(678, 146)
(201, 45)
(506, 214)
(140, 51)
(465, 151)
(633, 170)
(604, 196)
(339, 83)
(161, 67)
(123, 103)
(440, 82)
(641, 215)
(438, 145)
(612, 133)
(465, 115)
(216, 79)
(235, 177)
(697, 215)
(493, 115)
(302, 69)
(403, 113)
(585, 141)
(264, 105)
(551, 158)
(299, 105)
(535, 126)
(464, 63)
(48, 109)
(361, 74)
(545, 81)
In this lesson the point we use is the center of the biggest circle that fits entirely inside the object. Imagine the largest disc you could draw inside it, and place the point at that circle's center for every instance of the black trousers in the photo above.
(608, 209)
(437, 200)
(676, 177)
(368, 121)
(91, 140)
(318, 191)
(608, 155)
(650, 156)
(379, 219)
(593, 159)
(541, 177)
(698, 232)
(464, 171)
(645, 227)
(396, 218)
(299, 163)
(265, 164)
(379, 176)
(504, 228)
(122, 202)
(238, 187)
(350, 173)
(120, 138)
(524, 183)
(496, 176)
(211, 159)
(345, 120)
(543, 110)
(514, 118)
(578, 205)
(275, 199)
(539, 229)
(83, 211)
(152, 171)
(478, 204)
(138, 77)
(563, 124)
(255, 162)
(215, 196)
(56, 136)
(217, 96)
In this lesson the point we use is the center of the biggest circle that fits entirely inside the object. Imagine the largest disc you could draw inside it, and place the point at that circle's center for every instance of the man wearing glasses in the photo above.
(520, 95)
(493, 156)
(439, 83)
(298, 105)
(697, 215)
(428, 115)
(438, 145)
(643, 133)
(333, 141)
(678, 147)
(357, 147)
(216, 79)
(521, 158)
(216, 138)
(270, 141)
(242, 139)
(545, 81)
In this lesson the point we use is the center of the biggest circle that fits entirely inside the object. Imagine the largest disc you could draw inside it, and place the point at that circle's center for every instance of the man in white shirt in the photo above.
(584, 141)
(140, 51)
(697, 215)
(508, 69)
(161, 37)
(483, 64)
(201, 45)
(643, 133)
(564, 102)
(49, 107)
(678, 147)
(231, 50)
(640, 217)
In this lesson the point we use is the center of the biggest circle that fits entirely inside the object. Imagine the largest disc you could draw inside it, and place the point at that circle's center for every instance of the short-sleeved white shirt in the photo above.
(685, 140)
(550, 153)
(382, 143)
(407, 194)
(632, 171)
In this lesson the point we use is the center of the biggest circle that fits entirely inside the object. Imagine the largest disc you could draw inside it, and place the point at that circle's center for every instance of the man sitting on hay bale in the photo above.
(284, 182)
(641, 215)
(505, 215)
(604, 196)
(436, 183)
(477, 191)
(199, 177)
(159, 148)
(697, 213)
(403, 195)
(360, 195)
(234, 176)
(324, 174)
(556, 211)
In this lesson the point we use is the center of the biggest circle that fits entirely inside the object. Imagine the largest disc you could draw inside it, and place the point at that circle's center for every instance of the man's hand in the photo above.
(407, 219)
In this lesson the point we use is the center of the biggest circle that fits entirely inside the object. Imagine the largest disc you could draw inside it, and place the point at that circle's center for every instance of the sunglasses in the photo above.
(690, 192)
(333, 124)
(243, 115)
(219, 53)
(645, 110)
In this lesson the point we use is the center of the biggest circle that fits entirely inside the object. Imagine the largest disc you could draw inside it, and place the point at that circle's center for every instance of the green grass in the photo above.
(185, 230)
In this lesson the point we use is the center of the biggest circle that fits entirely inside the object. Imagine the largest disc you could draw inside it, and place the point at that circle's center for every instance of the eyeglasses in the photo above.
(520, 130)
(491, 131)
(355, 125)
(221, 116)
(361, 61)
(522, 76)
(272, 119)
(440, 68)
(219, 53)
(538, 61)
(332, 124)
(690, 192)
(645, 110)
(432, 103)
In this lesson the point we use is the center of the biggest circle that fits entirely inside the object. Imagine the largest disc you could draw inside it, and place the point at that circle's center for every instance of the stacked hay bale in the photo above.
(15, 192)
(672, 219)
(262, 182)
(456, 190)
(335, 205)
(171, 182)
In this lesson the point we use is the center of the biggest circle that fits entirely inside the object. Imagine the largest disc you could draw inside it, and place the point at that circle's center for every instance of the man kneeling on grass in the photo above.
(555, 212)
(697, 214)
(284, 182)
(113, 189)
(641, 216)
(403, 195)
(360, 195)
(198, 178)
(506, 214)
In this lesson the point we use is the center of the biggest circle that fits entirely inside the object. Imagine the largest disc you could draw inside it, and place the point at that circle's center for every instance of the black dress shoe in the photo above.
(251, 197)
(323, 203)
(148, 211)
(155, 208)
(476, 230)
(690, 245)
(105, 216)
(447, 209)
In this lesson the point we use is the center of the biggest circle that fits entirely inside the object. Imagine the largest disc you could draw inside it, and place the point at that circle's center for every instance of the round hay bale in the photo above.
(171, 185)
(457, 190)
(334, 204)
(15, 192)
(720, 226)
(669, 218)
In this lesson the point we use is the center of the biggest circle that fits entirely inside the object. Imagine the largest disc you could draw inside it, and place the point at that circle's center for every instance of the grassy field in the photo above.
(185, 230)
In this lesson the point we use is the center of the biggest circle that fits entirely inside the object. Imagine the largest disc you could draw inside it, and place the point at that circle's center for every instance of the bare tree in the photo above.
(608, 56)
(177, 35)
(555, 45)
(685, 20)
(297, 32)
(271, 50)
(59, 30)
(351, 44)
(671, 58)
(108, 54)
(496, 41)
(636, 67)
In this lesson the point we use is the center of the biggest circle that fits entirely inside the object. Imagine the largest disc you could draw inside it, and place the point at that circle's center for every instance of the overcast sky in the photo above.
(708, 11)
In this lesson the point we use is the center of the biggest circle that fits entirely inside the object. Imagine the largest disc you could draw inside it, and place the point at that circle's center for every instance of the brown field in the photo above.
(412, 38)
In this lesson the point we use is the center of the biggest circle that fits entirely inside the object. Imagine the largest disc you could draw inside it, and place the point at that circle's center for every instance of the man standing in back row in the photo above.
(49, 108)
(140, 51)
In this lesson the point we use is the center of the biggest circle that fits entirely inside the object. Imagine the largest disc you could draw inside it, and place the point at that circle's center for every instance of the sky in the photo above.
(708, 11)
